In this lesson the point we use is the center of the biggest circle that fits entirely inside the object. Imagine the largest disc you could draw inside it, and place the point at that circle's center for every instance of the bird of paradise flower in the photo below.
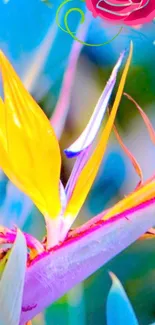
(30, 157)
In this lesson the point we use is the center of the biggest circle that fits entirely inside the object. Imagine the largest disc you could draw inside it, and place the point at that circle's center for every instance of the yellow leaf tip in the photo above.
(112, 275)
(114, 279)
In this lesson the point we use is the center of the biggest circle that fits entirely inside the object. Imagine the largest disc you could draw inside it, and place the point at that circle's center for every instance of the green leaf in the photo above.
(119, 309)
(12, 283)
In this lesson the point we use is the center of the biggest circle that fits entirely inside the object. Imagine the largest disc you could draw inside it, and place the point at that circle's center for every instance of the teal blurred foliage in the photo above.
(119, 310)
(23, 25)
(108, 182)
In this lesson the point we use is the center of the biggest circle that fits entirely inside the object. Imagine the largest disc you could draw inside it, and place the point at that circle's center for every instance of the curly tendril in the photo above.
(82, 20)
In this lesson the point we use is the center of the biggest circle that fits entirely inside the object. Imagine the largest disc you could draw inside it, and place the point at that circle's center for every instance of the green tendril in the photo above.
(82, 20)
(57, 16)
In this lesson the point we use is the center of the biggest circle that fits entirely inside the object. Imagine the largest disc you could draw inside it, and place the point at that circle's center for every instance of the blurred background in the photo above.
(65, 76)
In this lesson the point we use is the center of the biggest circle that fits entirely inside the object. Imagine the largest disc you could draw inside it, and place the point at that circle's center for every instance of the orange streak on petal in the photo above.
(129, 155)
(143, 194)
(147, 236)
(145, 118)
(152, 178)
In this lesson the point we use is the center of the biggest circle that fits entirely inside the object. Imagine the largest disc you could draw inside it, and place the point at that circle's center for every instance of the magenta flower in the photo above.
(123, 11)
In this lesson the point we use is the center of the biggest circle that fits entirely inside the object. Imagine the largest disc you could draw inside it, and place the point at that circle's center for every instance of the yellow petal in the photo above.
(32, 156)
(145, 193)
(3, 138)
(89, 172)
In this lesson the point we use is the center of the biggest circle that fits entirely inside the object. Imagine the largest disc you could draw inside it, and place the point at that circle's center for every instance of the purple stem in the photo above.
(53, 274)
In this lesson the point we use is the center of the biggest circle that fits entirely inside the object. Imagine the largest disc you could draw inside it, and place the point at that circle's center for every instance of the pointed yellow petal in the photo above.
(32, 155)
(145, 193)
(91, 168)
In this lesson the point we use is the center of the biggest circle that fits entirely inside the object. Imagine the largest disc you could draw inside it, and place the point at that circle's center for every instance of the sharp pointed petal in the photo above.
(119, 310)
(84, 178)
(88, 135)
(12, 283)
